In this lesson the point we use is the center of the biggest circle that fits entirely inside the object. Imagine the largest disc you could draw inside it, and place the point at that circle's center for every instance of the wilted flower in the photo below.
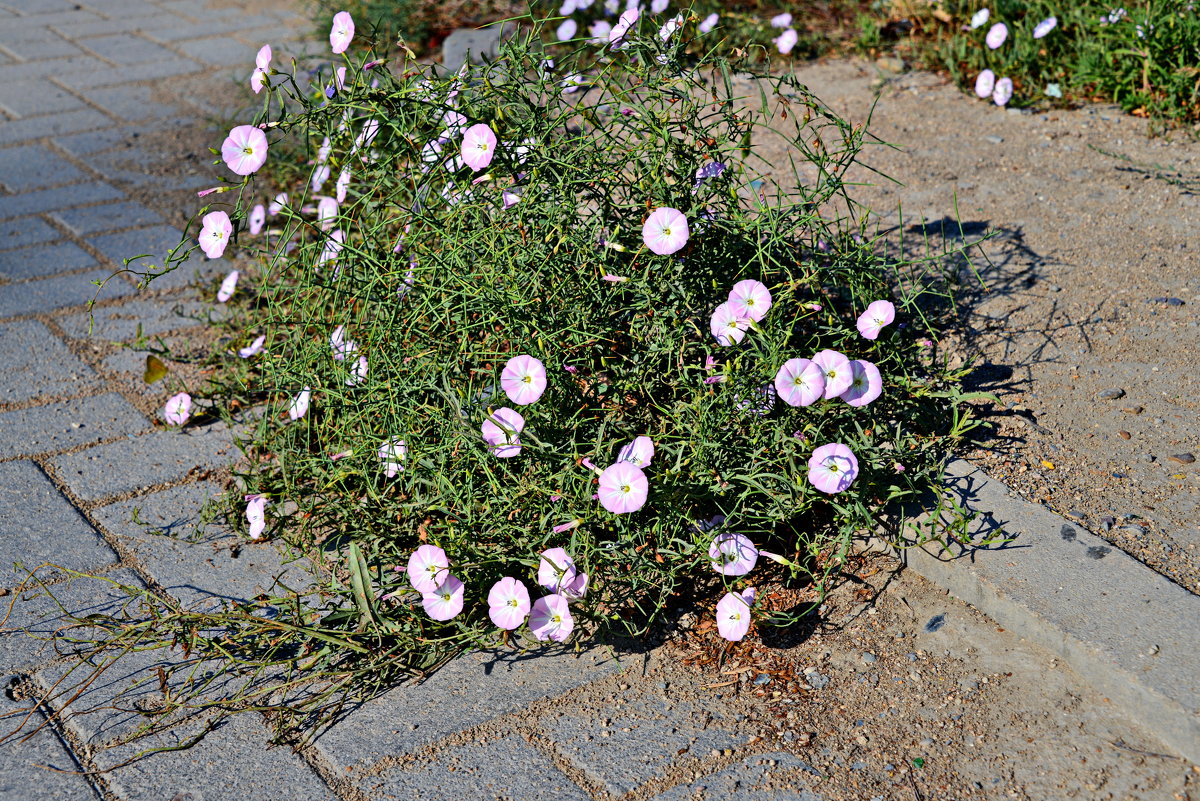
(1004, 91)
(215, 231)
(556, 569)
(623, 488)
(732, 554)
(341, 33)
(501, 430)
(996, 35)
(785, 41)
(428, 568)
(980, 18)
(478, 146)
(836, 368)
(550, 619)
(228, 286)
(866, 384)
(665, 231)
(985, 82)
(254, 348)
(299, 405)
(257, 219)
(832, 468)
(523, 379)
(733, 614)
(256, 515)
(1044, 27)
(508, 603)
(244, 150)
(445, 601)
(800, 382)
(708, 23)
(262, 69)
(763, 403)
(877, 315)
(728, 325)
(751, 299)
(638, 453)
(178, 409)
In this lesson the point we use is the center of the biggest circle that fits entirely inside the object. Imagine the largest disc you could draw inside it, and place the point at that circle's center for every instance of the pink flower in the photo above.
(392, 453)
(358, 372)
(257, 219)
(550, 619)
(254, 348)
(832, 468)
(227, 287)
(728, 325)
(332, 248)
(569, 525)
(751, 299)
(866, 384)
(577, 588)
(786, 41)
(444, 602)
(761, 402)
(277, 205)
(327, 211)
(665, 231)
(1004, 92)
(980, 18)
(343, 184)
(781, 21)
(523, 379)
(600, 30)
(501, 430)
(428, 568)
(708, 23)
(616, 36)
(299, 405)
(215, 231)
(245, 149)
(836, 368)
(733, 614)
(509, 198)
(800, 382)
(996, 35)
(256, 515)
(178, 409)
(985, 82)
(732, 554)
(508, 603)
(638, 453)
(877, 315)
(566, 30)
(319, 177)
(556, 569)
(342, 32)
(262, 69)
(1044, 27)
(623, 488)
(478, 146)
(672, 25)
(341, 346)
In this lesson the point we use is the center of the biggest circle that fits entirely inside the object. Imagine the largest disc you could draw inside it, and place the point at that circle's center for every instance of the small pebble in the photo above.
(1134, 528)
(1107, 523)
(935, 623)
(1124, 434)
(1182, 458)
(1111, 394)
(869, 657)
(926, 742)
(995, 140)
(1168, 301)
(1134, 410)
(761, 679)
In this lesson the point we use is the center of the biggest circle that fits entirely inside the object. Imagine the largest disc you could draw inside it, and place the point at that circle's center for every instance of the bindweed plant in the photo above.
(538, 348)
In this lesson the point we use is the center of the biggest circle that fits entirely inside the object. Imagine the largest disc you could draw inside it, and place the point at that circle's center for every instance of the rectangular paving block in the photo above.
(157, 242)
(37, 525)
(33, 70)
(151, 19)
(64, 122)
(29, 231)
(34, 362)
(127, 49)
(155, 317)
(24, 762)
(639, 739)
(63, 197)
(35, 167)
(61, 292)
(477, 686)
(504, 768)
(232, 761)
(766, 777)
(111, 76)
(39, 44)
(218, 51)
(138, 463)
(132, 102)
(85, 144)
(27, 638)
(194, 560)
(44, 260)
(35, 97)
(66, 424)
(106, 217)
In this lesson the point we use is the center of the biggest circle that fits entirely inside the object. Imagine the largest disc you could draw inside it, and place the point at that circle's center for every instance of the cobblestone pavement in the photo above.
(86, 86)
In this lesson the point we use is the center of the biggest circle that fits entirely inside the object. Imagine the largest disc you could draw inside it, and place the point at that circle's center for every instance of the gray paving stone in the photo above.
(138, 463)
(27, 638)
(34, 362)
(63, 197)
(49, 294)
(66, 424)
(40, 6)
(217, 50)
(232, 761)
(191, 559)
(127, 49)
(157, 241)
(30, 231)
(107, 217)
(643, 736)
(35, 167)
(213, 25)
(110, 76)
(23, 761)
(35, 70)
(43, 260)
(95, 26)
(28, 128)
(38, 525)
(36, 44)
(132, 102)
(478, 687)
(90, 142)
(506, 768)
(35, 97)
(156, 316)
(767, 777)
